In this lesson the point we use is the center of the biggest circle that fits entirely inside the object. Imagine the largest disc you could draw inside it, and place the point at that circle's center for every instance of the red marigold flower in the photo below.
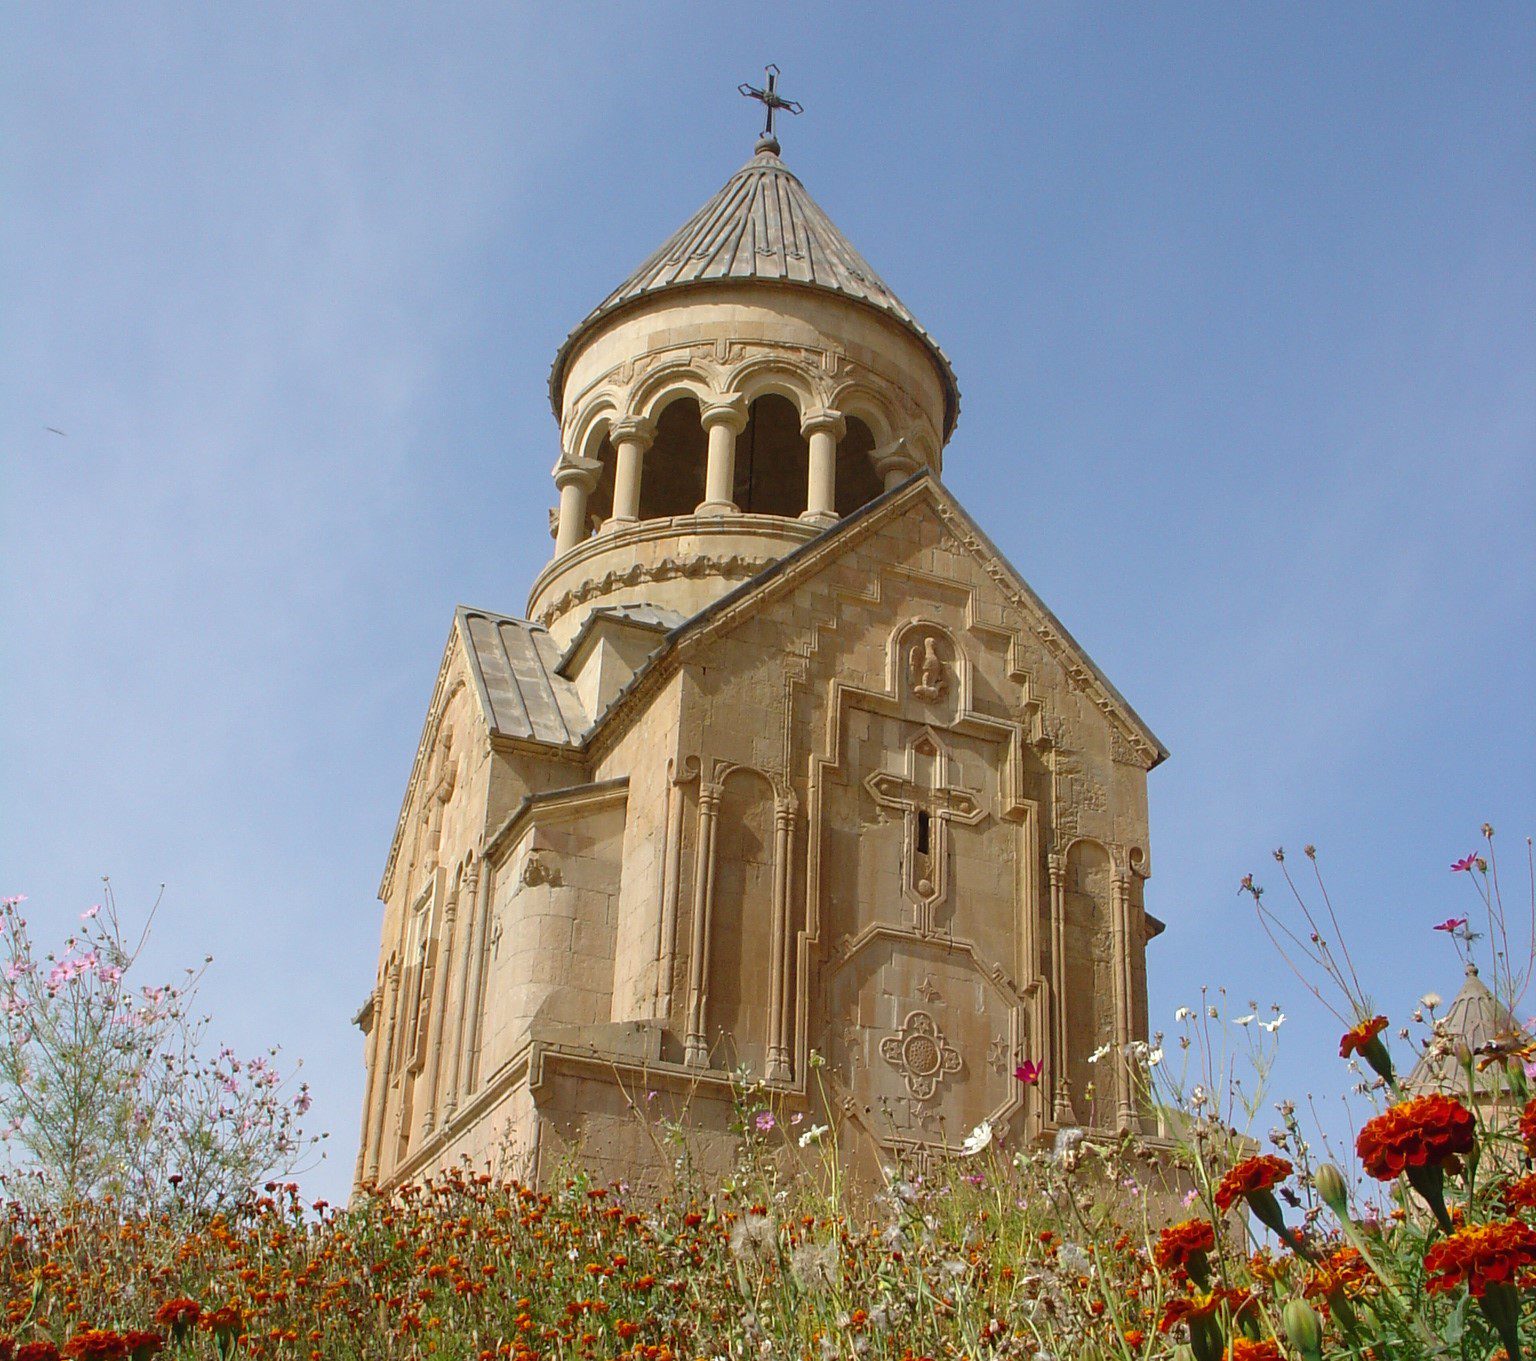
(37, 1351)
(97, 1344)
(1528, 1127)
(1425, 1131)
(1354, 1041)
(1480, 1255)
(1261, 1173)
(178, 1313)
(1519, 1194)
(1247, 1349)
(1179, 1244)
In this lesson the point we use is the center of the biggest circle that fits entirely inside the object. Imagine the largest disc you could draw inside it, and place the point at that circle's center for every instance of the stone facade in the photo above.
(786, 760)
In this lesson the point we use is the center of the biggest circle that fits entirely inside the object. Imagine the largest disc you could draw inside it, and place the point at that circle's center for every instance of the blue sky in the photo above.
(1242, 300)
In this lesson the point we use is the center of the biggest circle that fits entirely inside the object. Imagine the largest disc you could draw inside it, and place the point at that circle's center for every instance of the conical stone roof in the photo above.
(764, 227)
(1477, 1021)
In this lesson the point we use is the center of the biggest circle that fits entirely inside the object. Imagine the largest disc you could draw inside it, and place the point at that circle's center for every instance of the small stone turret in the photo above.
(750, 384)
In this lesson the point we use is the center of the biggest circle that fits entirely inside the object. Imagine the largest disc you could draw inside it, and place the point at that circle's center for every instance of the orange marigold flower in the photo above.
(1425, 1131)
(1480, 1255)
(1528, 1127)
(1178, 1244)
(1247, 1349)
(1355, 1040)
(1341, 1272)
(97, 1344)
(228, 1320)
(1261, 1173)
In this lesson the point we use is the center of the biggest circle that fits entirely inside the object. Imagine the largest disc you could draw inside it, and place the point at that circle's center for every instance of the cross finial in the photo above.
(771, 100)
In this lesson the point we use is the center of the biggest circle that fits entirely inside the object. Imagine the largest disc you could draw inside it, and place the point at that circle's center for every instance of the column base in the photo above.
(618, 522)
(823, 519)
(717, 508)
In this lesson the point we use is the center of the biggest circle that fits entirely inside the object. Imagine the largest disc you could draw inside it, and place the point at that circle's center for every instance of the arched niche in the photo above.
(741, 924)
(673, 479)
(1089, 980)
(772, 459)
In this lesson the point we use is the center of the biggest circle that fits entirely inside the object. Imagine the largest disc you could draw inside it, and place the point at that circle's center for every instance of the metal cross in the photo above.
(769, 97)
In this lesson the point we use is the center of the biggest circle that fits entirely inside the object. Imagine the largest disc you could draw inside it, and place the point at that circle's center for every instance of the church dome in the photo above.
(762, 226)
(752, 383)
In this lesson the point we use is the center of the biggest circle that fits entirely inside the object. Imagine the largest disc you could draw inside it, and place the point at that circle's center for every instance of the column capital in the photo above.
(897, 458)
(579, 472)
(824, 421)
(633, 430)
(730, 412)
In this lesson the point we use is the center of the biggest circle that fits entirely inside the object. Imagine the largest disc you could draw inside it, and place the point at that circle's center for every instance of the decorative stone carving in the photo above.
(921, 1054)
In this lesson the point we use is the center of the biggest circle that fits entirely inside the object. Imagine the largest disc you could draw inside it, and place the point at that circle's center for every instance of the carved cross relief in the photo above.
(928, 803)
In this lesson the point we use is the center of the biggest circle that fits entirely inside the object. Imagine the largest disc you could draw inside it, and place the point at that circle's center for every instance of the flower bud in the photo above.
(1330, 1186)
(1304, 1328)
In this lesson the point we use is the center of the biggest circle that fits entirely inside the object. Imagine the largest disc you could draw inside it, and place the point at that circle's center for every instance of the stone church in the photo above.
(784, 771)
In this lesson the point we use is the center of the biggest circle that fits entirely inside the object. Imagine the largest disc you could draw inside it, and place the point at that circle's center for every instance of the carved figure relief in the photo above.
(921, 1054)
(926, 671)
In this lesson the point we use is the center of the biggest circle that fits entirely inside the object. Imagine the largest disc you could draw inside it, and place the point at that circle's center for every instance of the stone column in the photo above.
(696, 1049)
(437, 1016)
(895, 463)
(471, 1042)
(723, 421)
(823, 429)
(631, 437)
(576, 479)
(381, 1092)
(1061, 1088)
(671, 872)
(778, 964)
(371, 1062)
(459, 1000)
(1123, 1037)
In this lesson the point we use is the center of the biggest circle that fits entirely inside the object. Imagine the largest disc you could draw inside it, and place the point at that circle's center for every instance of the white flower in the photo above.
(812, 1135)
(1182, 1014)
(1275, 1024)
(1074, 1259)
(1431, 1000)
(978, 1139)
(1245, 1020)
(1098, 1053)
(1155, 1057)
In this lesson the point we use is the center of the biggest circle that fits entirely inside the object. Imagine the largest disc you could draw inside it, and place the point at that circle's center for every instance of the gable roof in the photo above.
(811, 556)
(763, 227)
(511, 664)
(515, 668)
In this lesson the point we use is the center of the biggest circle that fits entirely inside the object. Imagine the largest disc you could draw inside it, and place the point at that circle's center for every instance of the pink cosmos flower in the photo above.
(1464, 864)
(1451, 924)
(764, 1121)
(1029, 1072)
(90, 912)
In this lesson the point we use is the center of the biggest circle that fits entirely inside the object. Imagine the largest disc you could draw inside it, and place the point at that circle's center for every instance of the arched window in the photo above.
(857, 482)
(772, 459)
(673, 479)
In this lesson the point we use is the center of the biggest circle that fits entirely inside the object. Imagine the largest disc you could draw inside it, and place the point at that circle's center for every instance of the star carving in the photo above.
(926, 989)
(921, 1054)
